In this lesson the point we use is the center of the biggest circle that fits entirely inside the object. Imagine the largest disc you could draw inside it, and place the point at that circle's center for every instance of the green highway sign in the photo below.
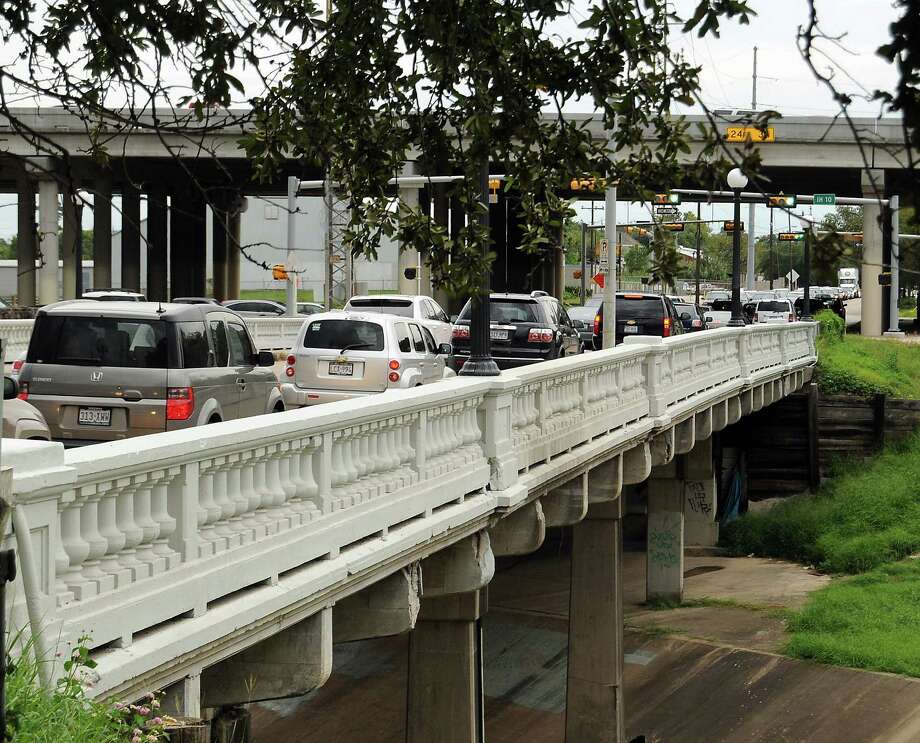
(825, 199)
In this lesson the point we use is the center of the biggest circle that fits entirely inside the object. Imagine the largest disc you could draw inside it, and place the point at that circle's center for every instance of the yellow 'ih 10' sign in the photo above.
(749, 134)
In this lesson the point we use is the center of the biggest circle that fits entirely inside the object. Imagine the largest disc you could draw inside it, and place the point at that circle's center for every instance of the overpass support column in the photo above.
(157, 244)
(72, 249)
(873, 186)
(594, 710)
(219, 250)
(665, 536)
(699, 486)
(408, 259)
(130, 238)
(25, 245)
(50, 249)
(233, 255)
(102, 232)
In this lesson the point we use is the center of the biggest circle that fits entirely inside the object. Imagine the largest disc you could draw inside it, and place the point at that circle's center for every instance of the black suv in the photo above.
(525, 329)
(640, 313)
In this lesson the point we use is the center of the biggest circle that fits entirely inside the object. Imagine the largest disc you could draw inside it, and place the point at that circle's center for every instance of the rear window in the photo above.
(193, 340)
(689, 308)
(401, 307)
(721, 305)
(635, 309)
(508, 311)
(340, 334)
(99, 341)
(772, 307)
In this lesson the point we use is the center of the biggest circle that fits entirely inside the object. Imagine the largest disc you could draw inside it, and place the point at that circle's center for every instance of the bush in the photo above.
(831, 325)
(907, 303)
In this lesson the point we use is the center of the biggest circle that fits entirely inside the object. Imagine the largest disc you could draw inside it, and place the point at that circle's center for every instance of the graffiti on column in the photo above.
(695, 497)
(664, 540)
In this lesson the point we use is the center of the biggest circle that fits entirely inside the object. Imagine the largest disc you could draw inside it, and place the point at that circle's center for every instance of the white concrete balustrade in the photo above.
(130, 534)
(269, 333)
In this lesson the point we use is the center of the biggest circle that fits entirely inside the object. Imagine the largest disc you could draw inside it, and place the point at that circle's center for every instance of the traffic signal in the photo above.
(279, 272)
(637, 231)
(588, 184)
(729, 225)
(674, 226)
(666, 198)
(788, 237)
(781, 201)
(884, 278)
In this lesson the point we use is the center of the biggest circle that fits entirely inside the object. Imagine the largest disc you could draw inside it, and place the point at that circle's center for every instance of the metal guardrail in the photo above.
(130, 534)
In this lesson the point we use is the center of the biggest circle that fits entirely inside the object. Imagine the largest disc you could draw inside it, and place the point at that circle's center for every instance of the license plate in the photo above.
(630, 328)
(498, 335)
(342, 370)
(94, 416)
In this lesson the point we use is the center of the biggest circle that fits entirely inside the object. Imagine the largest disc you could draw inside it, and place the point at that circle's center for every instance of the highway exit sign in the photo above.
(825, 199)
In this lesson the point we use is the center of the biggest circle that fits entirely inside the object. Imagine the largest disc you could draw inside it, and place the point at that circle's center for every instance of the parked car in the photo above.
(691, 316)
(194, 300)
(309, 308)
(717, 313)
(16, 366)
(583, 319)
(524, 328)
(773, 311)
(124, 369)
(420, 308)
(20, 419)
(114, 295)
(640, 313)
(255, 307)
(343, 355)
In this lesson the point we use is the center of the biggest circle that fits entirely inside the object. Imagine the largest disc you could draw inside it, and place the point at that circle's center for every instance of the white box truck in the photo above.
(848, 281)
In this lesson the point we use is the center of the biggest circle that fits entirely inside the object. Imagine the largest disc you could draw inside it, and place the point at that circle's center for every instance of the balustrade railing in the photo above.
(132, 533)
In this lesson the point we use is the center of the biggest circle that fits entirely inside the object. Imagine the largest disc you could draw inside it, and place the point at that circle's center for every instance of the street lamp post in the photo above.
(807, 228)
(736, 181)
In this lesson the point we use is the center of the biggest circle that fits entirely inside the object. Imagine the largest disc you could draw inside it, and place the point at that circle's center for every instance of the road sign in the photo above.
(666, 198)
(824, 199)
(667, 211)
(599, 279)
(788, 237)
(749, 134)
(780, 201)
(792, 276)
(603, 254)
(729, 225)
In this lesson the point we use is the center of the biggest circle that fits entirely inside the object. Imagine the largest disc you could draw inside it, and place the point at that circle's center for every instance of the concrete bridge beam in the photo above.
(463, 567)
(637, 464)
(703, 424)
(605, 482)
(594, 711)
(521, 532)
(662, 447)
(294, 661)
(685, 435)
(719, 414)
(568, 504)
(444, 697)
(388, 607)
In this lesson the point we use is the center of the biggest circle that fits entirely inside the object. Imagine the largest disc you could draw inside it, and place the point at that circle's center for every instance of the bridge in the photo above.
(222, 563)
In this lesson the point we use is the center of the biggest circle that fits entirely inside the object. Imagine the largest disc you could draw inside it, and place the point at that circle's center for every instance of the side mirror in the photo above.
(265, 358)
(454, 318)
(685, 316)
(445, 349)
(10, 388)
(708, 318)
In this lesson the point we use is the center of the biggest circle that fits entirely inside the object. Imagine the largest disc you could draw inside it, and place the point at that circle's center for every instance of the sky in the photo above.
(784, 82)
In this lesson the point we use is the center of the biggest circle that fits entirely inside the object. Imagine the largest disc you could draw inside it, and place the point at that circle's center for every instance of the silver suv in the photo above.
(113, 370)
(341, 355)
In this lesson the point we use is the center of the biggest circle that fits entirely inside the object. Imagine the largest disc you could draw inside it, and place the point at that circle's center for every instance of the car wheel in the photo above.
(279, 408)
(213, 419)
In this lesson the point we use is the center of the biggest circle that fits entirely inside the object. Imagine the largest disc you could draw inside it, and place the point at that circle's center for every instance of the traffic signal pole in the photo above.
(610, 271)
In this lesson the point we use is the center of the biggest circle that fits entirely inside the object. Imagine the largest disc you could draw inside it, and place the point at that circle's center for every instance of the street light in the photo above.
(736, 181)
(807, 228)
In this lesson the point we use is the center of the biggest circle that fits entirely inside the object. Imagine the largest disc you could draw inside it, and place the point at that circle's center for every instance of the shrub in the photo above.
(831, 325)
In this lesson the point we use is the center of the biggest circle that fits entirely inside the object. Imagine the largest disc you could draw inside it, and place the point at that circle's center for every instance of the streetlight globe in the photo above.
(736, 179)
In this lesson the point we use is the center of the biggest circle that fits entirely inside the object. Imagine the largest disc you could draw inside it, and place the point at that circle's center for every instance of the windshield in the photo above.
(507, 311)
(401, 307)
(772, 307)
(340, 334)
(99, 341)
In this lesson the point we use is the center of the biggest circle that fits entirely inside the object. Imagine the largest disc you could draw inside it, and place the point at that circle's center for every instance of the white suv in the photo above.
(773, 311)
(423, 309)
(342, 355)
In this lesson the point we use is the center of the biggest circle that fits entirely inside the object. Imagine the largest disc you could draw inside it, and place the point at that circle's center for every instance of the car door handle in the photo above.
(132, 396)
(241, 382)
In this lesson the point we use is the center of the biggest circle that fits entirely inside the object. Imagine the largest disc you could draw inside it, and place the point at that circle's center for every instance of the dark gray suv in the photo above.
(113, 370)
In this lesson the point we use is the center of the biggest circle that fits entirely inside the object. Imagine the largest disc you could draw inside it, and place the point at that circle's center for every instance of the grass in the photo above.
(276, 295)
(867, 516)
(869, 621)
(853, 365)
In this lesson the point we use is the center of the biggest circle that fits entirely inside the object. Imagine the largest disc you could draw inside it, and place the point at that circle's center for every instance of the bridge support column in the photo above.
(873, 185)
(665, 536)
(50, 249)
(219, 250)
(102, 232)
(409, 258)
(25, 244)
(699, 486)
(445, 671)
(594, 710)
(233, 255)
(72, 248)
(157, 244)
(130, 238)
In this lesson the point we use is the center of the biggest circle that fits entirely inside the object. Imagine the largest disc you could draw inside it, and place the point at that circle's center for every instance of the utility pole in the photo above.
(754, 83)
(697, 271)
(772, 266)
(584, 262)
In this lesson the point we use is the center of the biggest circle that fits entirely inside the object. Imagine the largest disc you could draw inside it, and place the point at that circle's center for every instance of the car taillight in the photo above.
(180, 402)
(597, 324)
(460, 331)
(291, 360)
(23, 391)
(393, 376)
(791, 317)
(17, 365)
(696, 324)
(540, 335)
(756, 317)
(394, 364)
(289, 371)
(666, 330)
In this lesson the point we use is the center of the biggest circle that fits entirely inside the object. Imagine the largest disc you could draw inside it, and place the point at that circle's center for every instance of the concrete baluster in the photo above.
(337, 472)
(289, 473)
(221, 495)
(208, 511)
(143, 516)
(124, 510)
(98, 545)
(237, 498)
(307, 485)
(166, 524)
(63, 595)
(279, 512)
(251, 493)
(323, 472)
(78, 550)
(408, 453)
(106, 499)
(263, 491)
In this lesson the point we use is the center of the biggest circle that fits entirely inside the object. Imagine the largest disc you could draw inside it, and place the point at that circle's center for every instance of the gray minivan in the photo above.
(113, 370)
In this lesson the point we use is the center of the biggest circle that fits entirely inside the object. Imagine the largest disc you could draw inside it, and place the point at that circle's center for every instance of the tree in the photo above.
(635, 260)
